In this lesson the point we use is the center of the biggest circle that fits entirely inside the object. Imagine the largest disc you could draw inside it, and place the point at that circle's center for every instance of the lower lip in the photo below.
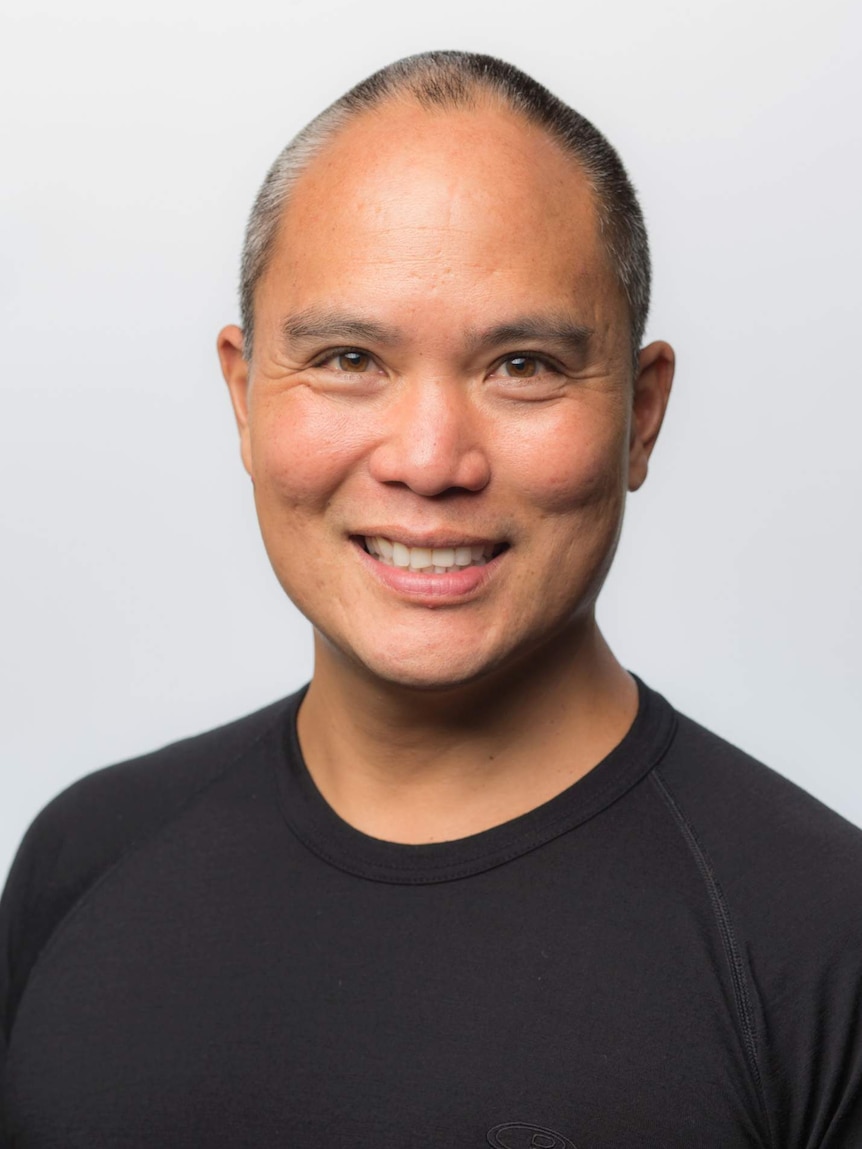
(430, 589)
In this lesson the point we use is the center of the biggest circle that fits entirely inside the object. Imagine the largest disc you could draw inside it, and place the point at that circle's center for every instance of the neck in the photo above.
(411, 765)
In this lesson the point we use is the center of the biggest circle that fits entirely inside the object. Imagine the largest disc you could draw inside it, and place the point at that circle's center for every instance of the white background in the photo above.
(137, 603)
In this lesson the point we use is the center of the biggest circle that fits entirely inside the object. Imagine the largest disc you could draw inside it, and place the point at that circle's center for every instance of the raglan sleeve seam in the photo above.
(739, 974)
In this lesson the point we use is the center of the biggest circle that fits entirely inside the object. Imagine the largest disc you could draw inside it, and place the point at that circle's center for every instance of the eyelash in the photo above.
(323, 359)
(542, 360)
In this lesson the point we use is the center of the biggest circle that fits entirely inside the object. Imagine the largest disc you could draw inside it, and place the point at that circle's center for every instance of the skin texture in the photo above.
(442, 354)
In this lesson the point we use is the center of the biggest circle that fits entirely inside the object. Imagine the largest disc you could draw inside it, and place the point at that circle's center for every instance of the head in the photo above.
(449, 80)
(444, 278)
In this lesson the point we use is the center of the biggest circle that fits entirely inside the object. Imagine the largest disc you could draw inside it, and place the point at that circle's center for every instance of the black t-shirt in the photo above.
(196, 950)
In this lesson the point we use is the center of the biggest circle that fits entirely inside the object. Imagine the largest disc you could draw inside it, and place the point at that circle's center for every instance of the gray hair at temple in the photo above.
(458, 80)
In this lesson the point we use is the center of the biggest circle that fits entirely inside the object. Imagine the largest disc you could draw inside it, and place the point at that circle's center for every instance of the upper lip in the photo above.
(436, 540)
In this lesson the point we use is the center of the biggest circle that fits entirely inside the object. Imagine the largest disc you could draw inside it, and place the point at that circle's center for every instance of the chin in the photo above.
(421, 668)
(426, 674)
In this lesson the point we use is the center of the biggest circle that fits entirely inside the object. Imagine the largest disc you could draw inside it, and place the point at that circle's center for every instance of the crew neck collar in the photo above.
(326, 834)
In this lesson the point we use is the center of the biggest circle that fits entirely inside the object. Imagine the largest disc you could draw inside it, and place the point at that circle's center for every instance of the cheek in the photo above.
(573, 468)
(302, 449)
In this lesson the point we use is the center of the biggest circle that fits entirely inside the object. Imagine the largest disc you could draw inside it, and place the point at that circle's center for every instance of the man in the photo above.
(476, 885)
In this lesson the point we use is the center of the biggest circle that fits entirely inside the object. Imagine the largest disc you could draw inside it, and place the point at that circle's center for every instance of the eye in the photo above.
(346, 371)
(352, 361)
(521, 366)
(527, 376)
(525, 365)
(345, 361)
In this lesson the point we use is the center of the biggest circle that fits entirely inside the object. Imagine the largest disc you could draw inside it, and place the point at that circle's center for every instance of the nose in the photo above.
(431, 440)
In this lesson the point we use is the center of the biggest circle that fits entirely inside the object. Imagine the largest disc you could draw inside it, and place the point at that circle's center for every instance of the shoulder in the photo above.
(103, 813)
(785, 874)
(750, 813)
(91, 825)
(789, 867)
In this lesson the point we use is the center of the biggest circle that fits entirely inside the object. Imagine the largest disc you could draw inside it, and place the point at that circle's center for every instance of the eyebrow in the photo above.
(314, 324)
(543, 329)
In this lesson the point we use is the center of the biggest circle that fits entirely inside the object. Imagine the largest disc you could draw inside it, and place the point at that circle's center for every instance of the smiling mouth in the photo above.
(430, 560)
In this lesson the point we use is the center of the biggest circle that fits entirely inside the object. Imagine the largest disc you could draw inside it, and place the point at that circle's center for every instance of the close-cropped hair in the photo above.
(444, 80)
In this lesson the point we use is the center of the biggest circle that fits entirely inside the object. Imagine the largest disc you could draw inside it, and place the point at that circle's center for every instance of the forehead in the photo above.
(470, 204)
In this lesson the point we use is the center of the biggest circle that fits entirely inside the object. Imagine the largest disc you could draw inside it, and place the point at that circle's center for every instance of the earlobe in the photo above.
(651, 393)
(235, 369)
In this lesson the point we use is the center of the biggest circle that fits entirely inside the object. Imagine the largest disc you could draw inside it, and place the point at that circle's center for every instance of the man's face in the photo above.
(441, 378)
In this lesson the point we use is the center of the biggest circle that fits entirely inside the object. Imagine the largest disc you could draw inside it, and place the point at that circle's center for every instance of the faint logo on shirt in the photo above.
(517, 1135)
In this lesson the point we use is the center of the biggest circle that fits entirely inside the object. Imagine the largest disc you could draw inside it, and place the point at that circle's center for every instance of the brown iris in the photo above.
(521, 366)
(353, 361)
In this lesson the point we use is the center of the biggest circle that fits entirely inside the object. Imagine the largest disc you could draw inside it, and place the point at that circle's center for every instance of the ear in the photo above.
(651, 393)
(236, 373)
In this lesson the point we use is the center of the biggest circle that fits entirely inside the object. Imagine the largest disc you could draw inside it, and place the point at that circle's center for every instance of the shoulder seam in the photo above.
(721, 913)
(133, 847)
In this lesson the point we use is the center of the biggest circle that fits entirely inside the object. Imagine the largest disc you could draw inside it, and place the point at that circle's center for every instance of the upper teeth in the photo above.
(436, 560)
